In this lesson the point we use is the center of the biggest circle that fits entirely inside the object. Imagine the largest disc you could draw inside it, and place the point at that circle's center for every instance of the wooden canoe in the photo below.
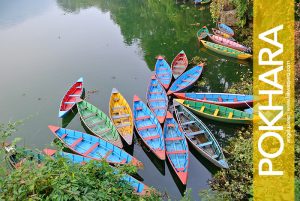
(202, 33)
(121, 115)
(139, 187)
(148, 128)
(163, 72)
(93, 147)
(157, 99)
(227, 51)
(217, 113)
(202, 2)
(199, 136)
(71, 98)
(99, 123)
(224, 28)
(221, 33)
(179, 64)
(186, 80)
(177, 150)
(223, 99)
(228, 43)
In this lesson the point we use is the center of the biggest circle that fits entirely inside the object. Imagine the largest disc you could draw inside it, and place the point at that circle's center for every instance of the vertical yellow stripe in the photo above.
(273, 157)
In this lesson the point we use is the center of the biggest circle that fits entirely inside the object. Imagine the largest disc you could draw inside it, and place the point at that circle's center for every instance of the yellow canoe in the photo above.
(121, 115)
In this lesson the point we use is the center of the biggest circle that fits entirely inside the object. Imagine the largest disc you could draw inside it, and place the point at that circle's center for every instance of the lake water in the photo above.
(46, 45)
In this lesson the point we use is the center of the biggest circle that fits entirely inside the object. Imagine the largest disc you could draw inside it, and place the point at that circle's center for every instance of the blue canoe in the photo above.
(163, 72)
(138, 186)
(93, 147)
(223, 99)
(157, 99)
(226, 29)
(199, 136)
(148, 128)
(176, 148)
(186, 80)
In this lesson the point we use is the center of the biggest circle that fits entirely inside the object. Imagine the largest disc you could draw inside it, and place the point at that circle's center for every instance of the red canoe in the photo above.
(179, 64)
(71, 98)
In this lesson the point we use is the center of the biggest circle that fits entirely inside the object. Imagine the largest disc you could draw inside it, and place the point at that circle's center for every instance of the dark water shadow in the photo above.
(66, 120)
(181, 187)
(159, 164)
(128, 148)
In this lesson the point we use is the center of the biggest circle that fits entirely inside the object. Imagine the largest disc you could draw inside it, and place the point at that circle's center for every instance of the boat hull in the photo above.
(179, 64)
(228, 43)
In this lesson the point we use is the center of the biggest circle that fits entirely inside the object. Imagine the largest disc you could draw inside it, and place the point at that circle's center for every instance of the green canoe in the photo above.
(227, 51)
(98, 123)
(202, 33)
(217, 113)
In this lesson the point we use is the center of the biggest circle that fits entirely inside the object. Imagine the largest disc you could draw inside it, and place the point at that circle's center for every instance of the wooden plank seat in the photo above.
(188, 122)
(186, 80)
(173, 138)
(181, 86)
(180, 112)
(120, 116)
(216, 112)
(118, 107)
(79, 87)
(104, 131)
(164, 78)
(220, 99)
(170, 125)
(63, 136)
(154, 85)
(147, 127)
(215, 156)
(122, 125)
(116, 99)
(76, 142)
(163, 74)
(202, 109)
(180, 169)
(108, 153)
(90, 115)
(177, 152)
(204, 98)
(155, 92)
(97, 123)
(230, 115)
(191, 75)
(74, 95)
(69, 102)
(92, 148)
(158, 108)
(235, 100)
(151, 137)
(195, 133)
(157, 100)
(84, 108)
(142, 118)
(139, 108)
(205, 144)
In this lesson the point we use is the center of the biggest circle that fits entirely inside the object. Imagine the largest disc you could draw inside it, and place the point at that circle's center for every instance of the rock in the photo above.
(229, 17)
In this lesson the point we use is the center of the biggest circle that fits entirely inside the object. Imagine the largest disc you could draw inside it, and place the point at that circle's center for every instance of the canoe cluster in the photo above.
(223, 42)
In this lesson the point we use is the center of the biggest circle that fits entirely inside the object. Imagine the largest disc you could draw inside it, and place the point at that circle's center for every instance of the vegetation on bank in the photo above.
(61, 180)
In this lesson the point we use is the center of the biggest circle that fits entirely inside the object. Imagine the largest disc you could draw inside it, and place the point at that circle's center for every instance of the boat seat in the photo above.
(63, 136)
(139, 108)
(171, 125)
(220, 99)
(76, 142)
(235, 100)
(181, 86)
(104, 131)
(215, 156)
(123, 161)
(163, 74)
(180, 169)
(108, 153)
(177, 152)
(158, 108)
(173, 138)
(147, 127)
(216, 112)
(204, 98)
(92, 148)
(90, 115)
(230, 115)
(195, 133)
(74, 95)
(205, 144)
(180, 112)
(79, 87)
(120, 116)
(164, 78)
(142, 118)
(69, 102)
(116, 99)
(156, 100)
(187, 123)
(152, 137)
(84, 108)
(155, 92)
(154, 85)
(97, 123)
(186, 80)
(123, 125)
(118, 107)
(202, 109)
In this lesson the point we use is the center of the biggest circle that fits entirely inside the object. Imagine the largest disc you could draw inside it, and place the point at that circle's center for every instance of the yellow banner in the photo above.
(273, 138)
